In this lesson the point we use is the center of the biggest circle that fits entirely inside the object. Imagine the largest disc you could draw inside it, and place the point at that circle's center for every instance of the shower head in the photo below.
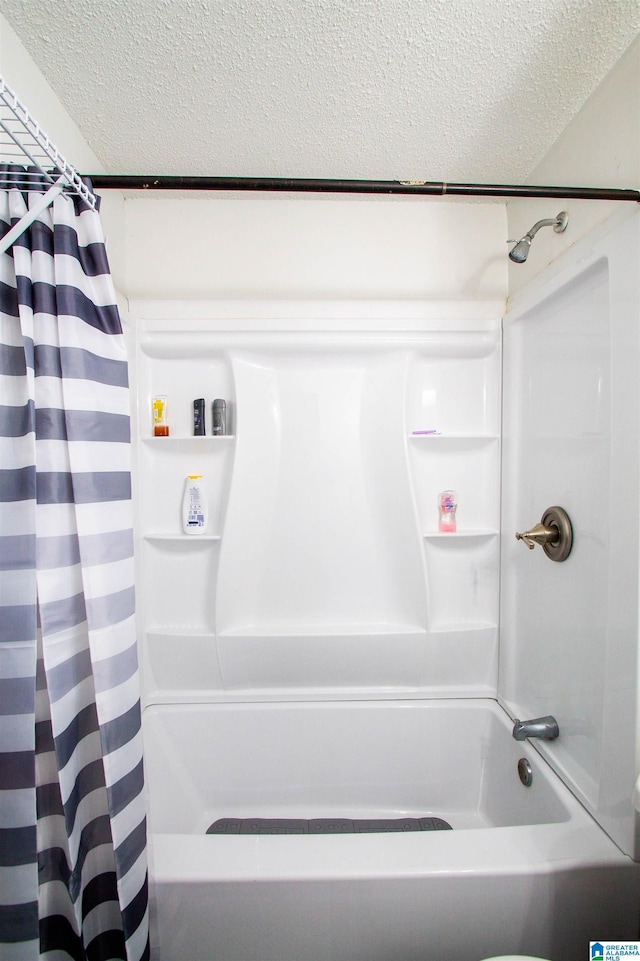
(520, 251)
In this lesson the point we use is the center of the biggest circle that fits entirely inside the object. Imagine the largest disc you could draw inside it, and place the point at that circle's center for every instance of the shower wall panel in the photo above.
(569, 631)
(322, 569)
(321, 496)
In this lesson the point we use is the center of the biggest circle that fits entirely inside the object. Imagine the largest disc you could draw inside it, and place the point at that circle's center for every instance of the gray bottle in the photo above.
(219, 418)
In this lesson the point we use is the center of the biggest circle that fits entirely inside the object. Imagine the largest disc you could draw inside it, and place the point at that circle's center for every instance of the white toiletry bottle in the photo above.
(194, 507)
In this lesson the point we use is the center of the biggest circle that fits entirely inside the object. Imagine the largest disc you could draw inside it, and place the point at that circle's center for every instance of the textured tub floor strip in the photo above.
(325, 825)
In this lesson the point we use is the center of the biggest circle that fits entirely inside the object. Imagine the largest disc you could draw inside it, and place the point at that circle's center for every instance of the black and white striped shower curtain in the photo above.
(73, 869)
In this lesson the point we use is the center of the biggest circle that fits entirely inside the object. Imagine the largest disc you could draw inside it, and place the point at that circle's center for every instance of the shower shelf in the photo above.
(456, 535)
(445, 438)
(183, 538)
(175, 439)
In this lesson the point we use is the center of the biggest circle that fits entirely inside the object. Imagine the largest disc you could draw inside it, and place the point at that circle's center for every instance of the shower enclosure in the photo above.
(324, 605)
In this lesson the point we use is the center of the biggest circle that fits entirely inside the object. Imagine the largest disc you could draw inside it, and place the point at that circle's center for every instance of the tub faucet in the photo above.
(545, 727)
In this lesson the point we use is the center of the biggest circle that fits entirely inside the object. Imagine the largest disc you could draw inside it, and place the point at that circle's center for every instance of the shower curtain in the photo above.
(73, 873)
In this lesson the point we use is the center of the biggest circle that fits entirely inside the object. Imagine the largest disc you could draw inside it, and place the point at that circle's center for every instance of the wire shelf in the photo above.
(22, 141)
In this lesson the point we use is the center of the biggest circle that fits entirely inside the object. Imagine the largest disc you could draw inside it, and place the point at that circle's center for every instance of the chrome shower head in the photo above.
(520, 251)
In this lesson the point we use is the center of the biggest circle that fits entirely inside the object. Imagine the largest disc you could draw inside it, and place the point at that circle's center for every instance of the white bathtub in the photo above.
(525, 869)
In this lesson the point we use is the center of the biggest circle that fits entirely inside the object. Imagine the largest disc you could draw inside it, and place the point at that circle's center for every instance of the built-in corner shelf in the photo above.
(453, 439)
(186, 440)
(181, 538)
(459, 535)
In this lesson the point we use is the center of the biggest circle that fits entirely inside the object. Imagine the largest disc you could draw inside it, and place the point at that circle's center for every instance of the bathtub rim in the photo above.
(577, 844)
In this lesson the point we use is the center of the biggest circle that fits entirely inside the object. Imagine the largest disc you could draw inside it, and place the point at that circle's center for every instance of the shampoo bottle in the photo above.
(194, 508)
(160, 422)
(219, 417)
(447, 505)
(198, 417)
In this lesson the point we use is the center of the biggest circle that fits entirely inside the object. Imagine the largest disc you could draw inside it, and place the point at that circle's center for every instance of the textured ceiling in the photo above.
(456, 90)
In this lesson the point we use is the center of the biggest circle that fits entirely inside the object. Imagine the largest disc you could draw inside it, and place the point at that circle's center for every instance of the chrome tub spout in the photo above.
(544, 727)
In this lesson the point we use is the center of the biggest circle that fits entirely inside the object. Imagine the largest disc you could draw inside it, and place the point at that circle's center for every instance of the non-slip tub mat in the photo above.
(325, 825)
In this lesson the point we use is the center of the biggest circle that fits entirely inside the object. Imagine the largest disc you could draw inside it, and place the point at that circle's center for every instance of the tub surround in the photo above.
(323, 569)
(326, 651)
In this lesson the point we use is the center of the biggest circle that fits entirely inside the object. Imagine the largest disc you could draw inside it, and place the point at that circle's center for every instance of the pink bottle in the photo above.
(448, 506)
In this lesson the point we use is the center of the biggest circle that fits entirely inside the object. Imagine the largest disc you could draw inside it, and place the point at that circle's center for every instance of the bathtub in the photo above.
(523, 870)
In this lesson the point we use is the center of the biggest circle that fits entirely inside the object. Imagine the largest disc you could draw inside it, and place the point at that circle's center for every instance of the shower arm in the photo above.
(558, 223)
(542, 223)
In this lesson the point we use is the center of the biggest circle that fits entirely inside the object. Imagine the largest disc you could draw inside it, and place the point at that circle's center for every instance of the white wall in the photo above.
(26, 80)
(274, 246)
(599, 148)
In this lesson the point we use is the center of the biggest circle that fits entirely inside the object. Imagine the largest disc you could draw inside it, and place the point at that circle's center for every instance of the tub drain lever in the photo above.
(553, 533)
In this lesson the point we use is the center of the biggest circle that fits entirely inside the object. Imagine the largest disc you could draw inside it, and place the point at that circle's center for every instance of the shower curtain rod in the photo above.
(410, 187)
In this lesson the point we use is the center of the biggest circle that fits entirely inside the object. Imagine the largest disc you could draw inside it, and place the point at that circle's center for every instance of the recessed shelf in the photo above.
(457, 535)
(189, 439)
(444, 438)
(182, 538)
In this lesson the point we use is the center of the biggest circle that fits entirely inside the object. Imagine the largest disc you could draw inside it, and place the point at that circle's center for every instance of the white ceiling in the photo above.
(454, 90)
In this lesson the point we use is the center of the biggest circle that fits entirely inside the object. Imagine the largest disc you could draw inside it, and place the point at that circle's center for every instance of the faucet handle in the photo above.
(554, 534)
(540, 534)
